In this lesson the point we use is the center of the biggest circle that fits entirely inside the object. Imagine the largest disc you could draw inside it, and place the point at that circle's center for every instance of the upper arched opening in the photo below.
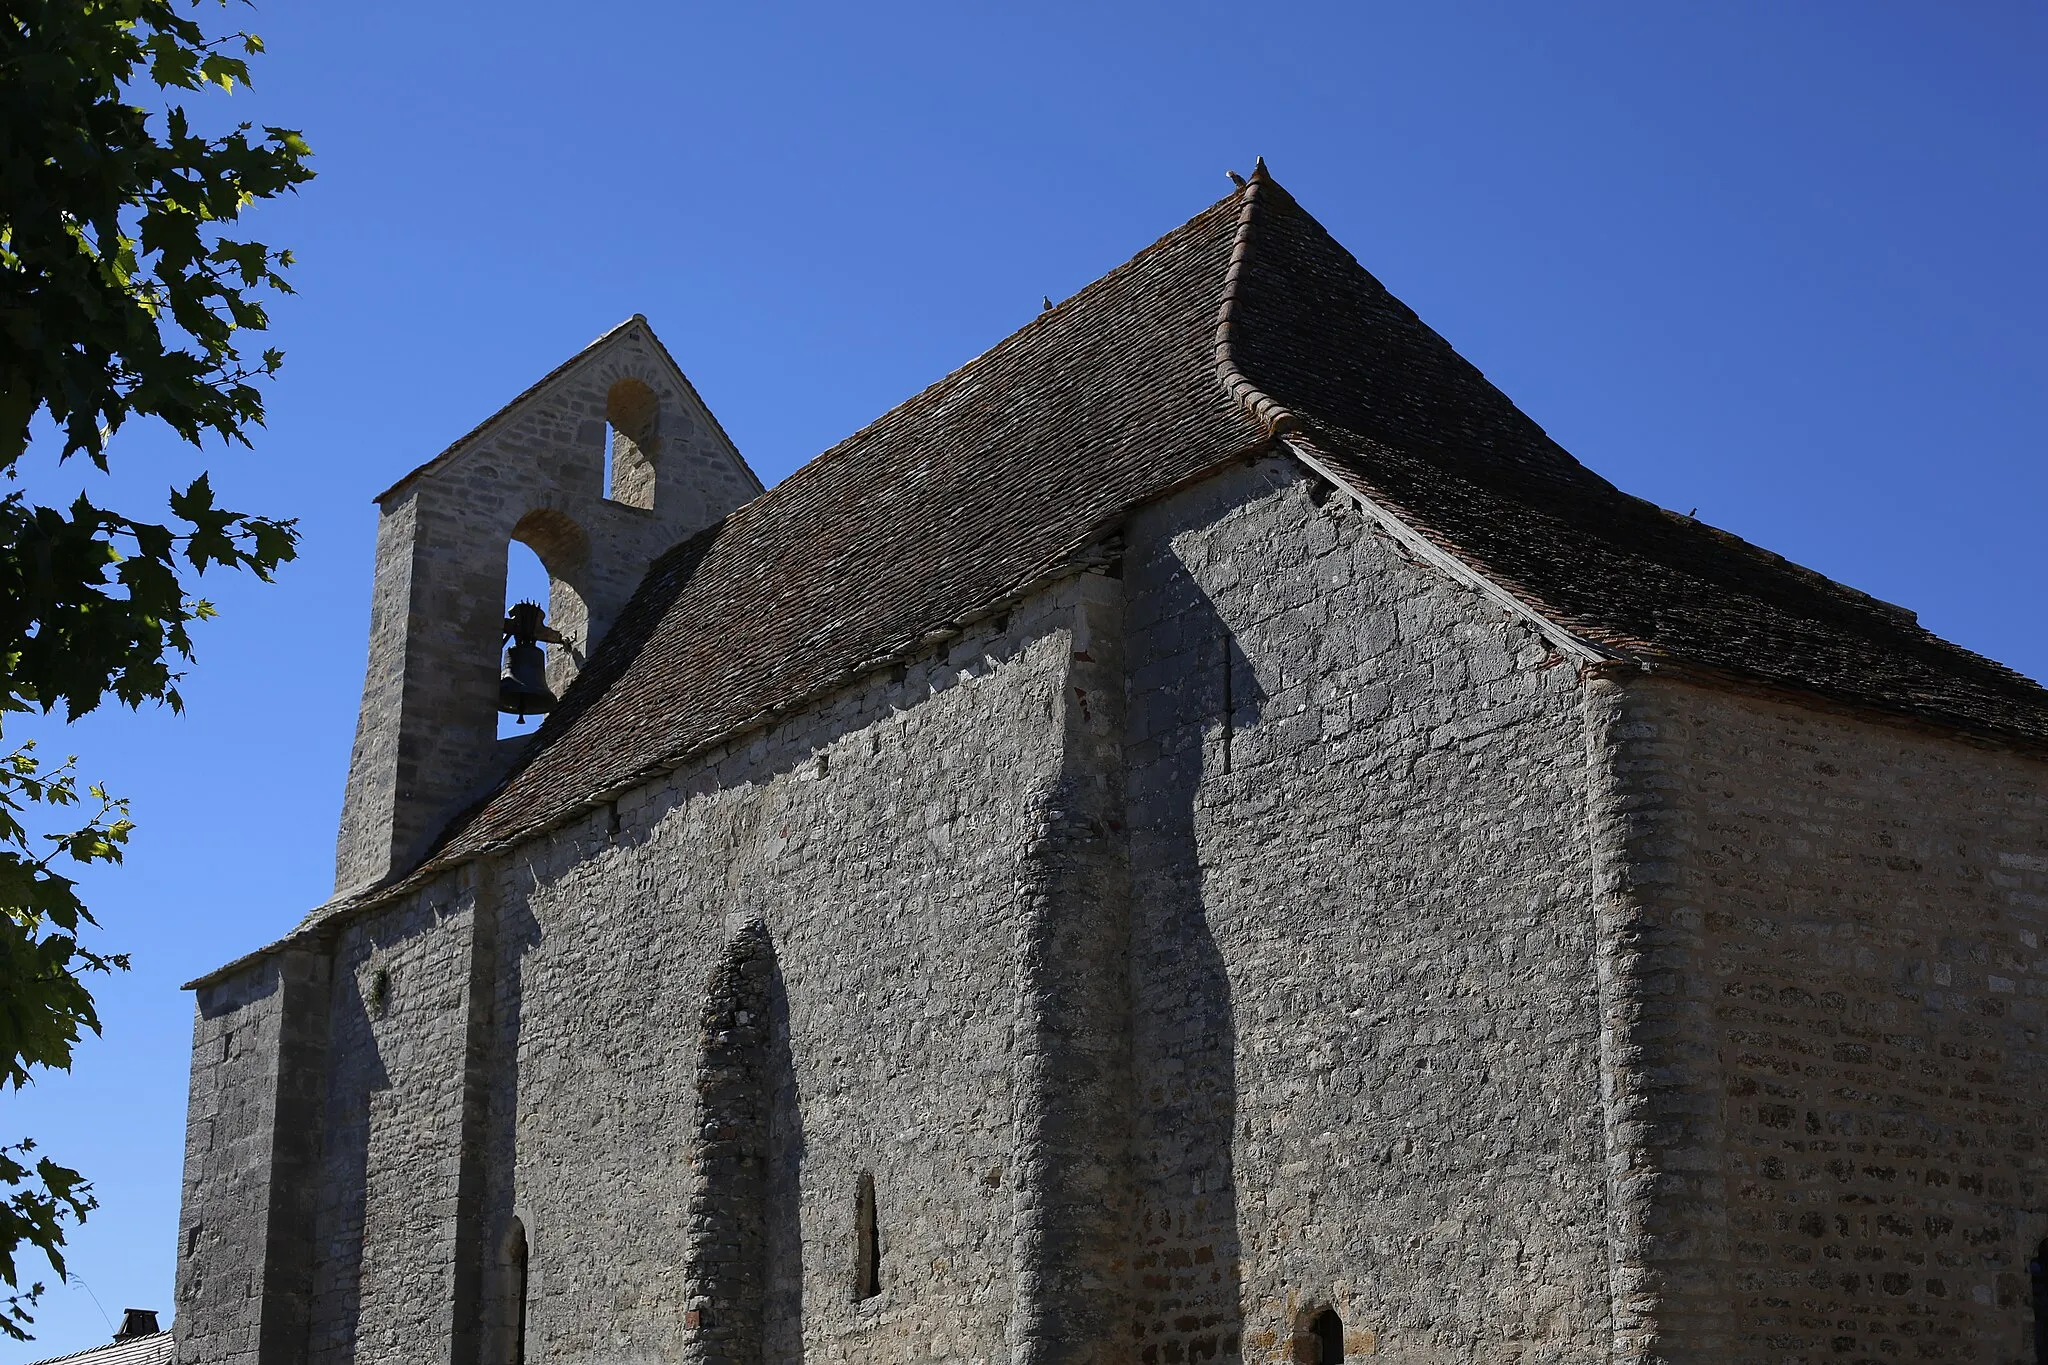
(632, 417)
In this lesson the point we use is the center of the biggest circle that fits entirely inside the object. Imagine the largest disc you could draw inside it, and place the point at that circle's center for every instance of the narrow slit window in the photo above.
(1229, 703)
(867, 1242)
(1328, 1330)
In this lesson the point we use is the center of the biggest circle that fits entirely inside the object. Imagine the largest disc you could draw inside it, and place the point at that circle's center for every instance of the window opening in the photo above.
(867, 1244)
(1229, 704)
(516, 1259)
(526, 580)
(1328, 1330)
(632, 420)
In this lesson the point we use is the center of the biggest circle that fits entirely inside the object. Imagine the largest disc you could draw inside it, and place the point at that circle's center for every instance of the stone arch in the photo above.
(554, 535)
(563, 548)
(632, 415)
(1317, 1334)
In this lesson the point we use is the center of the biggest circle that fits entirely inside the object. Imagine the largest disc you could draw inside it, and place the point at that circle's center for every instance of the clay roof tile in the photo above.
(1246, 323)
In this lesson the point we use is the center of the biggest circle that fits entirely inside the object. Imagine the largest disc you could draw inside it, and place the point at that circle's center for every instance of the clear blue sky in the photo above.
(1781, 263)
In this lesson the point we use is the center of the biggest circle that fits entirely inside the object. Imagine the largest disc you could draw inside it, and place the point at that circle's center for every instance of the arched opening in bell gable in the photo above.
(632, 431)
(544, 636)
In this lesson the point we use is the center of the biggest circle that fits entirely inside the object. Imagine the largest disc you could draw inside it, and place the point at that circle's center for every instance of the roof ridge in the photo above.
(1277, 418)
(846, 444)
(1284, 423)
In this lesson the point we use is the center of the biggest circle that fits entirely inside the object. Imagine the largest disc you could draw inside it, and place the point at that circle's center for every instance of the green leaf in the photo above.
(124, 295)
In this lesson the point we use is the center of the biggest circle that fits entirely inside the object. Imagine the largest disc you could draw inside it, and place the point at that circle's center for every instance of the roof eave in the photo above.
(1282, 422)
(1449, 564)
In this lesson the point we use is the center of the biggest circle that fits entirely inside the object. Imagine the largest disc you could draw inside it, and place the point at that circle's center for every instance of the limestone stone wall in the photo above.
(727, 1223)
(1365, 1013)
(245, 1253)
(386, 1225)
(1260, 925)
(1868, 903)
(880, 840)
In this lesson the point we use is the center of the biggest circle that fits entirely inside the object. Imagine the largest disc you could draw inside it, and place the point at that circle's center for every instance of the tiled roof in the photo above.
(1247, 319)
(945, 504)
(157, 1348)
(1393, 408)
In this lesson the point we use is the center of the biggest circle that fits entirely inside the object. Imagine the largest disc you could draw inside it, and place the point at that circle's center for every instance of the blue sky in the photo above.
(1776, 262)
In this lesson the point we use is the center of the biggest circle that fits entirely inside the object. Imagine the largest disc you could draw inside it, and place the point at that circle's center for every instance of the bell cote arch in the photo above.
(632, 415)
(535, 473)
(563, 548)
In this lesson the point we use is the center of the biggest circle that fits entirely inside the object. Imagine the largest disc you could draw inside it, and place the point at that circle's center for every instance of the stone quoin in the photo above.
(1202, 836)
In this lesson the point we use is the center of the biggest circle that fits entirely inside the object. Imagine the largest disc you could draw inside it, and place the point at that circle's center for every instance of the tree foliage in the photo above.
(44, 1004)
(122, 295)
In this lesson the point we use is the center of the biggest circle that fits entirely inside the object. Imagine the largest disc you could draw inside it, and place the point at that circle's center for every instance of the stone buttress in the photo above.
(1073, 1058)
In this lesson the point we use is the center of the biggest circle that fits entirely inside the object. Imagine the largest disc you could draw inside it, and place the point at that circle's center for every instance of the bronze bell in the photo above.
(523, 687)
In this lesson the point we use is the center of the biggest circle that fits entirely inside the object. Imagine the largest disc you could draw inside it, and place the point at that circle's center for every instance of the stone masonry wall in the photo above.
(882, 841)
(1365, 1017)
(1071, 1173)
(245, 1255)
(1870, 903)
(1279, 927)
(386, 1272)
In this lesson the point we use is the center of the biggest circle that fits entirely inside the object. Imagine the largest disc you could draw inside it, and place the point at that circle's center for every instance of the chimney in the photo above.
(137, 1322)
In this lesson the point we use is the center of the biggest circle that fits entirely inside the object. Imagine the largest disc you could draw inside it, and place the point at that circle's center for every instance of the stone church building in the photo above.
(1202, 836)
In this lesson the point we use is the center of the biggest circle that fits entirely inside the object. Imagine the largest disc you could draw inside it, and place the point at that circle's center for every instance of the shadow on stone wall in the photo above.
(345, 1172)
(1185, 1256)
(518, 933)
(728, 1269)
(786, 1151)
